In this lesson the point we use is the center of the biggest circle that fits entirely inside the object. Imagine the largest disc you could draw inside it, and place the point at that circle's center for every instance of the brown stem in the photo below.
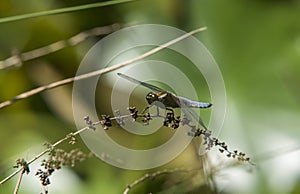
(98, 72)
(19, 181)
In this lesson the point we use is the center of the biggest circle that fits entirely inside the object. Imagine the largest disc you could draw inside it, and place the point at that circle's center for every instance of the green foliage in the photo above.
(255, 43)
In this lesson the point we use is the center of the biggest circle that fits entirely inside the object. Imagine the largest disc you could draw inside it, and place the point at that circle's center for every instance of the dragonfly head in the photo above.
(151, 97)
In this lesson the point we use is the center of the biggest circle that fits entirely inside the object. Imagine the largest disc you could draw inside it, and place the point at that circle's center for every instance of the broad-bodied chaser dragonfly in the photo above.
(168, 99)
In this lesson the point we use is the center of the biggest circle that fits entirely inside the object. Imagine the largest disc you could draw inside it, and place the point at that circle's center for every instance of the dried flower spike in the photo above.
(72, 138)
(105, 122)
(147, 118)
(89, 123)
(22, 163)
(133, 112)
(118, 118)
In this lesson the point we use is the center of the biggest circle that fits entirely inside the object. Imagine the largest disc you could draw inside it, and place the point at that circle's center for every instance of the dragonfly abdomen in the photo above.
(193, 104)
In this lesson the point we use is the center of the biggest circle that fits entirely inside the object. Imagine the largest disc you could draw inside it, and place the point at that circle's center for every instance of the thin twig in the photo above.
(18, 58)
(62, 10)
(98, 72)
(43, 153)
(19, 181)
(45, 190)
(21, 170)
(70, 135)
(152, 176)
(169, 121)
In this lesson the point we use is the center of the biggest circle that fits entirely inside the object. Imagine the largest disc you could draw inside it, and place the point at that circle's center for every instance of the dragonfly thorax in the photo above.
(151, 97)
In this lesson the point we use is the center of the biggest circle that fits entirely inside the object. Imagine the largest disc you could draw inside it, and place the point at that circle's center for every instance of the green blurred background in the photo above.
(256, 44)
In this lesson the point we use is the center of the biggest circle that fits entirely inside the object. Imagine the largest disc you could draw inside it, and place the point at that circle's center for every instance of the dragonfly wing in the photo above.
(186, 108)
(194, 115)
(152, 87)
(185, 101)
(194, 104)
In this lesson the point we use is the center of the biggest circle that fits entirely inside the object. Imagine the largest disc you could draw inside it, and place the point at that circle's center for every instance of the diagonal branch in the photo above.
(18, 58)
(20, 170)
(18, 183)
(62, 10)
(98, 72)
(153, 176)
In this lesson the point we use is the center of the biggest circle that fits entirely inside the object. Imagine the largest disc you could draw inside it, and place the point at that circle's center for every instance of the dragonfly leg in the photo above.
(146, 109)
(157, 111)
(170, 109)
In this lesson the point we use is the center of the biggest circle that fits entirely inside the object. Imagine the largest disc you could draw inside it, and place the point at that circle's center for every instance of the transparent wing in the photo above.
(185, 101)
(151, 87)
(194, 104)
(194, 115)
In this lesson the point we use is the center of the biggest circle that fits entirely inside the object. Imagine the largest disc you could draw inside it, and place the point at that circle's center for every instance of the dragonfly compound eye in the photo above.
(151, 97)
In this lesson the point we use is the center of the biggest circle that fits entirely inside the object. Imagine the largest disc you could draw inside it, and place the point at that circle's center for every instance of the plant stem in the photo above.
(61, 10)
(98, 72)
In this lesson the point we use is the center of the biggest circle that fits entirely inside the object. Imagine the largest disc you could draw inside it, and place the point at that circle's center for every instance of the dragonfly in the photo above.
(169, 99)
